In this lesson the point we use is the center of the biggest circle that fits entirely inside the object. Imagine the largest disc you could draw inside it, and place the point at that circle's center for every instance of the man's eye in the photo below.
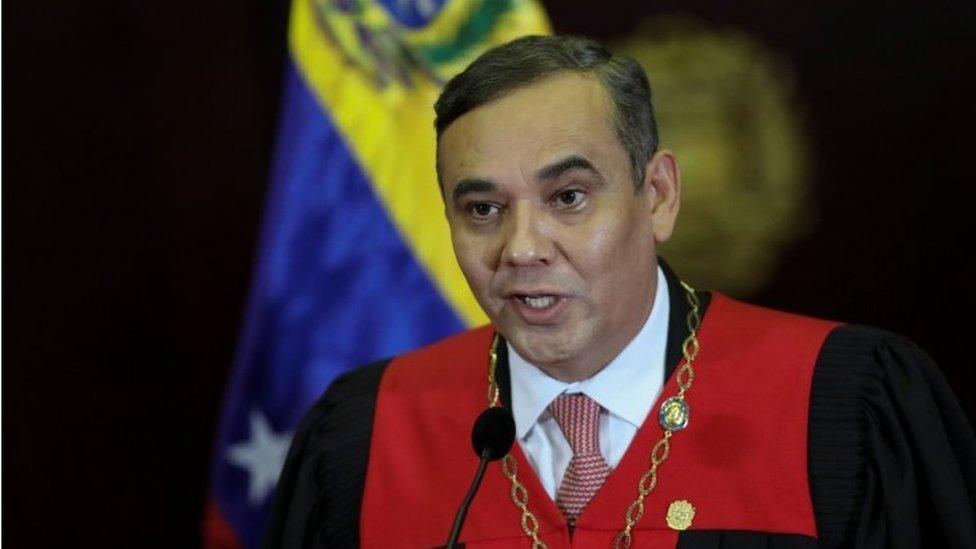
(482, 210)
(570, 198)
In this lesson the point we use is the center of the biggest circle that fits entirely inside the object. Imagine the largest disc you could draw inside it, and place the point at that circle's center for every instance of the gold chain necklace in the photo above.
(673, 416)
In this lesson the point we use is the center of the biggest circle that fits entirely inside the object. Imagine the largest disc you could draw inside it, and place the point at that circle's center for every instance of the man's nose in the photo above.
(528, 239)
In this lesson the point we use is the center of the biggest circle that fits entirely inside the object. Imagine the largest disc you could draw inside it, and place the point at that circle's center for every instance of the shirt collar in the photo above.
(627, 387)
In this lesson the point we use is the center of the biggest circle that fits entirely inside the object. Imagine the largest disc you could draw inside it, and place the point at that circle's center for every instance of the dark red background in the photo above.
(136, 145)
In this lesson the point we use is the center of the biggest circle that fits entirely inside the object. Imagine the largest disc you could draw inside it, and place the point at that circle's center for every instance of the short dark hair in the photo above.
(530, 59)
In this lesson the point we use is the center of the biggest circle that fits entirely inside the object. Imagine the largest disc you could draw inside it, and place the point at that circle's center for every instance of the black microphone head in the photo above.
(495, 430)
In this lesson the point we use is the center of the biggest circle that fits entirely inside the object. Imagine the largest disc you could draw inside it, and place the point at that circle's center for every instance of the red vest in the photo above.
(742, 461)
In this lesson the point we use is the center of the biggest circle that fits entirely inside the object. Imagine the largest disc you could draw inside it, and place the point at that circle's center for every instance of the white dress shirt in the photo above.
(626, 389)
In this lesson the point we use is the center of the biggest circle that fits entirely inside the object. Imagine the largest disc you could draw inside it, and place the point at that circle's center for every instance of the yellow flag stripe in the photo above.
(389, 131)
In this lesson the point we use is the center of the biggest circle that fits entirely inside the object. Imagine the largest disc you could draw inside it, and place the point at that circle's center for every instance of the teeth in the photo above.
(539, 302)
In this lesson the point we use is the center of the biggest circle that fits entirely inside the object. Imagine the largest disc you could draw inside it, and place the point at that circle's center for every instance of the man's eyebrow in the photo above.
(572, 162)
(473, 185)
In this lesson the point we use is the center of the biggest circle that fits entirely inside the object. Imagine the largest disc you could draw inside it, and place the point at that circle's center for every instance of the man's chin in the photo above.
(545, 350)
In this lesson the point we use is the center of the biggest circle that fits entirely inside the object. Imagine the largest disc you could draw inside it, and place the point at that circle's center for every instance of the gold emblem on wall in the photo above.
(725, 105)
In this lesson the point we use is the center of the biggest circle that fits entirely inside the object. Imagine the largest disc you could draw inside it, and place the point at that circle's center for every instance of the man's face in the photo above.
(548, 229)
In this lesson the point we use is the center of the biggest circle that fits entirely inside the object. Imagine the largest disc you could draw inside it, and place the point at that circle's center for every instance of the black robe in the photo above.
(891, 455)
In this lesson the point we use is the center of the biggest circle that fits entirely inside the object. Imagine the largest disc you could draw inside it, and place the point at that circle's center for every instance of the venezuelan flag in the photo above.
(354, 261)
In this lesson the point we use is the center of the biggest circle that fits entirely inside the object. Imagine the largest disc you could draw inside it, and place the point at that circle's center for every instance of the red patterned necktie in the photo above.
(579, 418)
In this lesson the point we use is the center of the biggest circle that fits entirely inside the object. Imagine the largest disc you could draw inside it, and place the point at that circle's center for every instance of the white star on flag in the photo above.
(262, 456)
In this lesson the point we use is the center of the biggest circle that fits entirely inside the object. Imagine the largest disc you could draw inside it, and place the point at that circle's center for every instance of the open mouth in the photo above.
(538, 301)
(539, 308)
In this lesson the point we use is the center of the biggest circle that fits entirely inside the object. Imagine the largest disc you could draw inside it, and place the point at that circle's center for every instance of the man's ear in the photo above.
(662, 183)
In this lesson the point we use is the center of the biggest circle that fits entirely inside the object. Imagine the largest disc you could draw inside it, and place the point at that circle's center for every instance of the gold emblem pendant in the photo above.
(674, 414)
(680, 514)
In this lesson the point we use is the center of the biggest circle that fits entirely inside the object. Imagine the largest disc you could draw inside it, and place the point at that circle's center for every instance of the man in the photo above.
(647, 414)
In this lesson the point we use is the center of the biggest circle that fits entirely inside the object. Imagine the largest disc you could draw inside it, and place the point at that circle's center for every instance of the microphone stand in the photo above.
(463, 509)
(491, 438)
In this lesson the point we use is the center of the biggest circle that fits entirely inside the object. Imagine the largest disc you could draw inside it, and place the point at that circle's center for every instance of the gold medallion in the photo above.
(680, 514)
(674, 414)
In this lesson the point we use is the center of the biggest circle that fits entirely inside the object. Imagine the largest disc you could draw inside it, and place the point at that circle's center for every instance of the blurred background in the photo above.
(829, 145)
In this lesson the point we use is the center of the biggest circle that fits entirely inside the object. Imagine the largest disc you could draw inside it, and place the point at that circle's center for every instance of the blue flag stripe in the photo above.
(334, 287)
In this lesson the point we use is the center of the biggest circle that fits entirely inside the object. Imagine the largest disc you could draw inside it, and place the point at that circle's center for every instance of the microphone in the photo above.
(491, 437)
(493, 432)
